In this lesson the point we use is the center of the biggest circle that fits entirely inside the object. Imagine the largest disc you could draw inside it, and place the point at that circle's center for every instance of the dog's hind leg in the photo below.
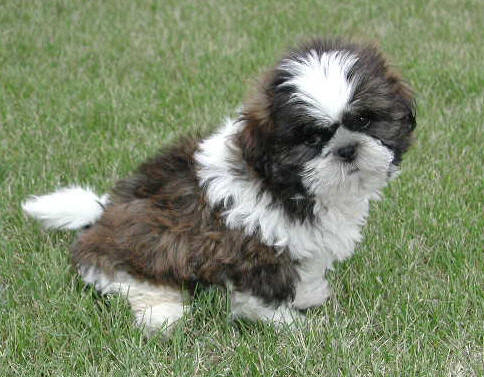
(155, 307)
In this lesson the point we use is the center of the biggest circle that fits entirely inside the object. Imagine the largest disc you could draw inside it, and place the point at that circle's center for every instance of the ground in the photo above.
(90, 89)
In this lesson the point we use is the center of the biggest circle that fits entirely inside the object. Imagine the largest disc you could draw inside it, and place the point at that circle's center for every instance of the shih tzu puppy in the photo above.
(263, 206)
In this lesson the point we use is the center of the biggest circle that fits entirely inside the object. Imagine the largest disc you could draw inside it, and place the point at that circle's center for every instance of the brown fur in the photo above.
(160, 228)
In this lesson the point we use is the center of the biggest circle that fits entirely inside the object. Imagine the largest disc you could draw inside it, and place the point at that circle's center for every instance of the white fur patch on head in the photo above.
(321, 82)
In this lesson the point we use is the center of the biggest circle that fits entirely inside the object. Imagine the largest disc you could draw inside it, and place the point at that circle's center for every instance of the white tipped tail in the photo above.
(67, 208)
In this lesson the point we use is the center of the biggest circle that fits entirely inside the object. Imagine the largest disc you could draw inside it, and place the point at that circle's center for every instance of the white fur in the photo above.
(340, 215)
(312, 290)
(68, 208)
(245, 305)
(341, 209)
(154, 306)
(321, 82)
(342, 193)
(338, 181)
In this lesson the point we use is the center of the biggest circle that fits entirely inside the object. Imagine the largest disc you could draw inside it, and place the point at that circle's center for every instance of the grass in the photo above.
(90, 89)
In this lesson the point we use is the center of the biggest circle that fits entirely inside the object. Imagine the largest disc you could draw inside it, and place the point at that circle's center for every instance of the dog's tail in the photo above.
(67, 208)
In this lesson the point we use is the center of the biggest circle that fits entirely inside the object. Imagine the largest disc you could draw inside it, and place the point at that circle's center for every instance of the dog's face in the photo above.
(330, 118)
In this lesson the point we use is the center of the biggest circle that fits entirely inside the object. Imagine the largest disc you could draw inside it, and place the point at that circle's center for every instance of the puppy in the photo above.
(263, 206)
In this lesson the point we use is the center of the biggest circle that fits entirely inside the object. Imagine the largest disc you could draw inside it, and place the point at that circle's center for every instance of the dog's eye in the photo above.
(313, 140)
(360, 122)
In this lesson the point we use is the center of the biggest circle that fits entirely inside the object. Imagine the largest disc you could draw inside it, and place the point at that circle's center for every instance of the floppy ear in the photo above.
(411, 116)
(254, 142)
(405, 95)
(408, 100)
(254, 139)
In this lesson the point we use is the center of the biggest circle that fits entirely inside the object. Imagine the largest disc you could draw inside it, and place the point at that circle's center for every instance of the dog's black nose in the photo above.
(347, 153)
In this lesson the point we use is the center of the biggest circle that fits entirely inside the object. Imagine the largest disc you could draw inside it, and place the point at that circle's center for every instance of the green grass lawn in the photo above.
(89, 89)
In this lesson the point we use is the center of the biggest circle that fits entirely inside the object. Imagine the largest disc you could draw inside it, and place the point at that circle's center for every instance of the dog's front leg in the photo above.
(312, 289)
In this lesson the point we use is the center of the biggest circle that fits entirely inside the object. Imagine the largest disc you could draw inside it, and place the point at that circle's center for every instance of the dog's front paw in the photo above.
(284, 316)
(311, 294)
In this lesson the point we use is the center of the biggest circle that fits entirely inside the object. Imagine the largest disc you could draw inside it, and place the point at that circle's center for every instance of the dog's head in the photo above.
(331, 118)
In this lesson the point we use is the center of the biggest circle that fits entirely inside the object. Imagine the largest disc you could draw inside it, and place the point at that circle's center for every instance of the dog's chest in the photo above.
(333, 236)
